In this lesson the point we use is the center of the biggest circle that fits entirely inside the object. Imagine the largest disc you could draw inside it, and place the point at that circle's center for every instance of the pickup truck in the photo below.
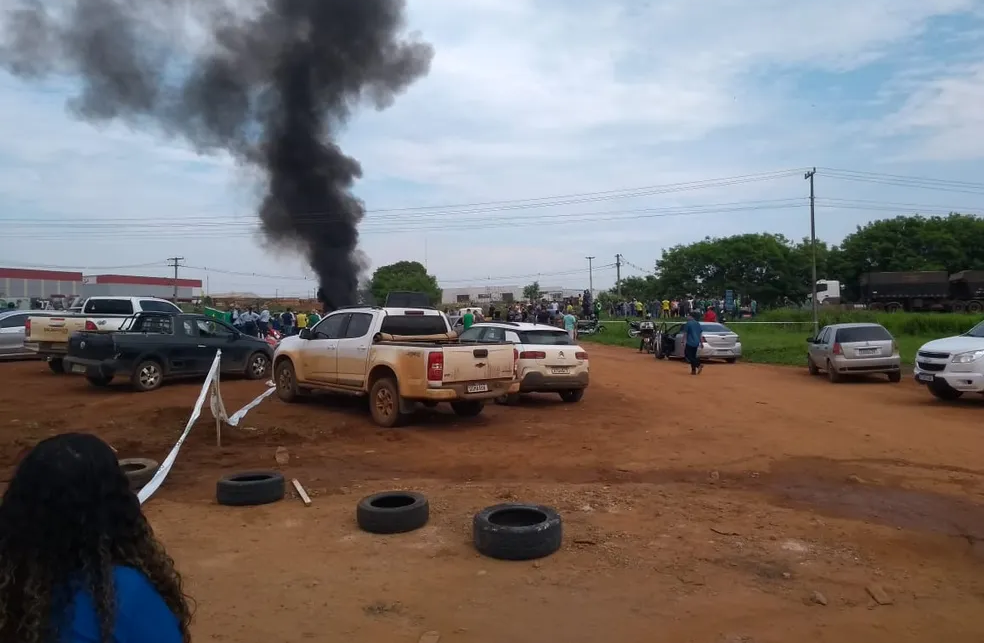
(48, 335)
(398, 357)
(952, 366)
(153, 347)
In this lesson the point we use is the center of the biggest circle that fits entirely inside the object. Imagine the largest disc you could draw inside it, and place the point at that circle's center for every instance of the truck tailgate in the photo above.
(94, 346)
(54, 329)
(475, 362)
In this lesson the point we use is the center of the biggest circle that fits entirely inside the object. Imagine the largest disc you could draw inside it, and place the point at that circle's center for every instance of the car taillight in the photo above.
(515, 361)
(27, 326)
(581, 355)
(895, 346)
(435, 366)
(532, 355)
(838, 350)
(90, 325)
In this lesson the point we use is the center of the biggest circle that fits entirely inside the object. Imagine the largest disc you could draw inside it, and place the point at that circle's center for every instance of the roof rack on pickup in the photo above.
(350, 307)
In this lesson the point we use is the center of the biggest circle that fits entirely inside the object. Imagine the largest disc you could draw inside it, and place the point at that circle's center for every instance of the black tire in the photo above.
(600, 329)
(468, 408)
(975, 307)
(257, 366)
(99, 381)
(392, 512)
(139, 471)
(895, 377)
(250, 488)
(573, 396)
(384, 403)
(147, 376)
(943, 391)
(510, 399)
(811, 366)
(832, 375)
(56, 365)
(731, 360)
(517, 531)
(286, 380)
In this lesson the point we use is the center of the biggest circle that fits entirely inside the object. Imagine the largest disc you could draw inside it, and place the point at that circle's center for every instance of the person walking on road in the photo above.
(694, 332)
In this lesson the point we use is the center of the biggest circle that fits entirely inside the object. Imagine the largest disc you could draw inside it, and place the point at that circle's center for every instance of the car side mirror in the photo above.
(811, 340)
(305, 333)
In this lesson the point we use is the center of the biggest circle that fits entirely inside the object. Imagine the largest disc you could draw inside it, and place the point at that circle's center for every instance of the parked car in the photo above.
(13, 332)
(153, 347)
(952, 366)
(717, 342)
(854, 349)
(549, 360)
(397, 357)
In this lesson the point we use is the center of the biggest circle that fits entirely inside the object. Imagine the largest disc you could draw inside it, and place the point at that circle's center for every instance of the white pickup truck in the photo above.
(398, 357)
(952, 366)
(48, 335)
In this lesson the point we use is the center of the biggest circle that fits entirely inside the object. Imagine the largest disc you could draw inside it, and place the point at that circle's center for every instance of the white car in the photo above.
(952, 366)
(549, 360)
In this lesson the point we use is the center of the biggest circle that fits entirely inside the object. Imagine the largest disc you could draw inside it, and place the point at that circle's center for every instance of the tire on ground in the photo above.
(517, 531)
(468, 408)
(250, 488)
(572, 396)
(392, 512)
(148, 376)
(139, 471)
(286, 380)
(384, 403)
(257, 366)
(56, 365)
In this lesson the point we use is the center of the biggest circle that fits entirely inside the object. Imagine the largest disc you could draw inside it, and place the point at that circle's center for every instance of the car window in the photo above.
(493, 334)
(210, 328)
(674, 329)
(863, 334)
(108, 307)
(189, 328)
(414, 325)
(331, 326)
(709, 327)
(824, 335)
(13, 321)
(152, 324)
(358, 326)
(472, 334)
(513, 337)
(547, 338)
(151, 306)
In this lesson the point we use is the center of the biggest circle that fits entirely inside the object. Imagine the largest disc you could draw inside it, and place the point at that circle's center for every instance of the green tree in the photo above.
(532, 291)
(404, 276)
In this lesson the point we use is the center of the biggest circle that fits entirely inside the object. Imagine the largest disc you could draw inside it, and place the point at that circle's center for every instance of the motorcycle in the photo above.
(589, 327)
(646, 331)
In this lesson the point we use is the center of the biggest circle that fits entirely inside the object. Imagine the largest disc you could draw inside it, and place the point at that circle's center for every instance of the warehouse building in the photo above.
(21, 283)
(134, 286)
(482, 295)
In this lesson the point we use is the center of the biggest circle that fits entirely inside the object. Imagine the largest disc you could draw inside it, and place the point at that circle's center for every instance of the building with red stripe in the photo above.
(22, 283)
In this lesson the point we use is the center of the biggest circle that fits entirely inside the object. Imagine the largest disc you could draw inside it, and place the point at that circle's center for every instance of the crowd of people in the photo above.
(264, 323)
(681, 307)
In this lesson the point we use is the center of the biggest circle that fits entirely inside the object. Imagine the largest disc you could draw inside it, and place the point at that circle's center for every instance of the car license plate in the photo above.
(925, 377)
(560, 370)
(867, 351)
(78, 368)
(478, 388)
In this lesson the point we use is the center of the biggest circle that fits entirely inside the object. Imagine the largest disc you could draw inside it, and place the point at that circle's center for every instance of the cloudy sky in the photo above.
(690, 119)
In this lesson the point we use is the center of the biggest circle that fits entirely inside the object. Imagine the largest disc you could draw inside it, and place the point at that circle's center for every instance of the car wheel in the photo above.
(895, 376)
(943, 391)
(56, 365)
(148, 376)
(731, 360)
(811, 366)
(286, 380)
(384, 403)
(832, 375)
(572, 396)
(510, 399)
(257, 366)
(100, 381)
(467, 408)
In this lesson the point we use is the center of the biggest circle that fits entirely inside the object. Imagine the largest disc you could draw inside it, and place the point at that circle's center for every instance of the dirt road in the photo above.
(724, 507)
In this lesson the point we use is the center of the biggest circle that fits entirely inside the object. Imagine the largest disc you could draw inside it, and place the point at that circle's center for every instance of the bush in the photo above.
(923, 324)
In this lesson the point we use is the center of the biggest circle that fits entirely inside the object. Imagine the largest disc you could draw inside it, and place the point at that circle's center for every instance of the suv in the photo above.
(952, 366)
(549, 360)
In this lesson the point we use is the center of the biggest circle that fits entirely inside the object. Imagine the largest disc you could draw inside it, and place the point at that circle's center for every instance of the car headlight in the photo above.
(966, 358)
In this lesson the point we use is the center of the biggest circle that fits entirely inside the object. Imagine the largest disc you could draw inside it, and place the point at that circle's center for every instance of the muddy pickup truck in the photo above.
(398, 357)
(48, 335)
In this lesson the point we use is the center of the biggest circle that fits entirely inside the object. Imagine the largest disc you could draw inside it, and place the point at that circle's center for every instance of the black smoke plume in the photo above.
(269, 81)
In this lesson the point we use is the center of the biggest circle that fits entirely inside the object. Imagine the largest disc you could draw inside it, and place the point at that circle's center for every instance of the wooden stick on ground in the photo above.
(301, 492)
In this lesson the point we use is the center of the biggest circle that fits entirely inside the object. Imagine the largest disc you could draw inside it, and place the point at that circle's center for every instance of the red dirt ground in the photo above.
(705, 508)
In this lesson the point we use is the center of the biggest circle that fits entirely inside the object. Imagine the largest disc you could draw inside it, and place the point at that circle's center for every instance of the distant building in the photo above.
(20, 283)
(504, 294)
(134, 286)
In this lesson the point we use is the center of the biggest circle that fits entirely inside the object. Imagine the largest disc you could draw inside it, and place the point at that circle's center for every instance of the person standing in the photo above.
(263, 322)
(570, 325)
(694, 334)
(710, 315)
(467, 319)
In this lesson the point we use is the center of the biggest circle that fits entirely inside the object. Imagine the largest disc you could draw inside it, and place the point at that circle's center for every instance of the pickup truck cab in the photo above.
(153, 347)
(952, 366)
(47, 336)
(396, 356)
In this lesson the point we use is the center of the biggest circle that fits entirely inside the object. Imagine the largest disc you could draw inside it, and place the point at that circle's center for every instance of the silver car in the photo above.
(719, 342)
(854, 349)
(12, 333)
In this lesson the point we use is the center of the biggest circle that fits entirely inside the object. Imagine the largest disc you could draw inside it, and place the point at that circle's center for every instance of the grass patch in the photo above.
(786, 343)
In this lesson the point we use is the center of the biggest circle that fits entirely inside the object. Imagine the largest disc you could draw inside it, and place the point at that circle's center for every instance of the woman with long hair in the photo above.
(79, 563)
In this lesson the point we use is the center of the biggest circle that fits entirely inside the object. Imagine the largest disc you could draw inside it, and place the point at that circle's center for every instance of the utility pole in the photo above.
(618, 275)
(813, 241)
(590, 276)
(175, 262)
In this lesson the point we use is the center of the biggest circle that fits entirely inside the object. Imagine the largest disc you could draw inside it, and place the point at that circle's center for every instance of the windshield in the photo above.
(414, 325)
(862, 334)
(714, 328)
(976, 331)
(546, 338)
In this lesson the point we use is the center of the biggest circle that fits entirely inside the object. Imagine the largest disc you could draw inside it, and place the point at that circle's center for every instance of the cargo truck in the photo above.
(928, 290)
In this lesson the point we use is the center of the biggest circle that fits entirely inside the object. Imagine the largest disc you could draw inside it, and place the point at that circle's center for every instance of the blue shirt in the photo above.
(694, 331)
(142, 616)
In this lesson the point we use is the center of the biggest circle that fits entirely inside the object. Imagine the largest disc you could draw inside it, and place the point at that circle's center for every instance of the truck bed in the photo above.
(934, 284)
